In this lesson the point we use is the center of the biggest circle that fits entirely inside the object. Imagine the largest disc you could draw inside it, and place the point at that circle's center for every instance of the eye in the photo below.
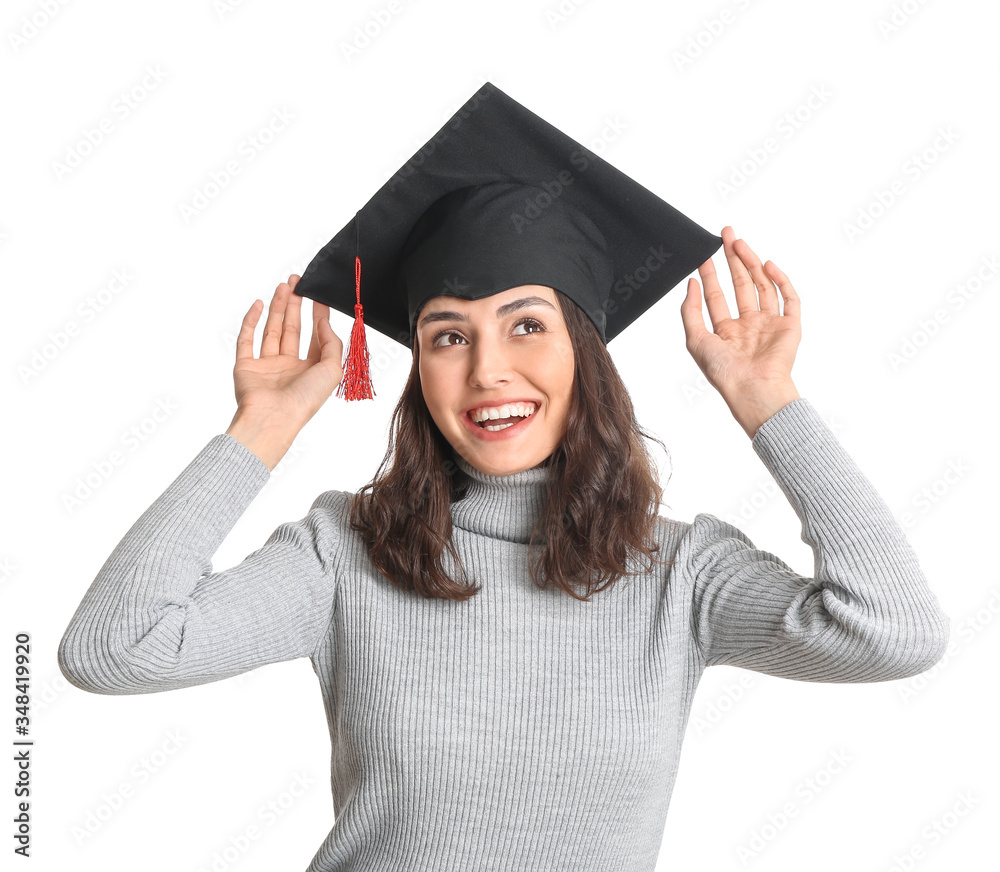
(437, 336)
(524, 322)
(532, 323)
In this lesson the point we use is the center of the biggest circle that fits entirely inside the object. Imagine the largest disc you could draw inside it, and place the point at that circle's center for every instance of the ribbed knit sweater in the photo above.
(523, 729)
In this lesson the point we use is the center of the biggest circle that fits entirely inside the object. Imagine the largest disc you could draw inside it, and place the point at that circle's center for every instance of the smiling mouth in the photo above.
(516, 413)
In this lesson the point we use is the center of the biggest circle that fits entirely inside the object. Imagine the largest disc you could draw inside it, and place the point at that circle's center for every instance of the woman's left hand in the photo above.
(747, 359)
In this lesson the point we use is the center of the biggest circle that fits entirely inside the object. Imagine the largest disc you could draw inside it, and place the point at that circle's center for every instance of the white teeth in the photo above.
(521, 410)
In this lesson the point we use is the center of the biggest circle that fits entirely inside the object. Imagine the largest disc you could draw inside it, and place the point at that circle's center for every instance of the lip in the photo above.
(507, 432)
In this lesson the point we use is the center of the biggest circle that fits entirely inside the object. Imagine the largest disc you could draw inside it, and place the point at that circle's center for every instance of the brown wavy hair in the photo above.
(602, 503)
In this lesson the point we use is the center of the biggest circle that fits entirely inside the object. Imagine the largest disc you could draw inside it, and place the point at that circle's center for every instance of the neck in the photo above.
(500, 506)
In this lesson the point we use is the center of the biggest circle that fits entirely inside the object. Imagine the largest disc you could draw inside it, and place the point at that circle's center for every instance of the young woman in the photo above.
(507, 635)
(517, 722)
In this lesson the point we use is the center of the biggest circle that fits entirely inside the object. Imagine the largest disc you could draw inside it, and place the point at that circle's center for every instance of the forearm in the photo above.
(866, 613)
(136, 609)
(874, 600)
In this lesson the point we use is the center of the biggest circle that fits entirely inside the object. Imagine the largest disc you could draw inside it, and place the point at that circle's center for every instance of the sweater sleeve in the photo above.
(866, 615)
(157, 618)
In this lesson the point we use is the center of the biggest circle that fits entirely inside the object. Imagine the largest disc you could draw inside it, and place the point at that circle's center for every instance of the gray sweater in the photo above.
(523, 729)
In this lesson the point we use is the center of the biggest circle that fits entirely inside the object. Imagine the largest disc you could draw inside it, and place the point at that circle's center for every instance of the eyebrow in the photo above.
(502, 312)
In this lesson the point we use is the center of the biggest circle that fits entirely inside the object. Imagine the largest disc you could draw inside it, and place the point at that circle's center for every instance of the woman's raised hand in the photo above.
(747, 359)
(277, 393)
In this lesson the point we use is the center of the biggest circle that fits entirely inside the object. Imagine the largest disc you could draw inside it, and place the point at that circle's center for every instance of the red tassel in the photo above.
(357, 383)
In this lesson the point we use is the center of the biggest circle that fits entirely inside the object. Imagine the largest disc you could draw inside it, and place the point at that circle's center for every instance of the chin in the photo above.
(504, 465)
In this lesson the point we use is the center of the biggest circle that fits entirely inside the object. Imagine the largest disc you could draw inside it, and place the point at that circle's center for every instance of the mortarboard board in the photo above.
(499, 198)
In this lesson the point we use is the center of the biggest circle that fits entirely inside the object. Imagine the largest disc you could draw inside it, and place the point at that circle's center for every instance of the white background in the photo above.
(676, 95)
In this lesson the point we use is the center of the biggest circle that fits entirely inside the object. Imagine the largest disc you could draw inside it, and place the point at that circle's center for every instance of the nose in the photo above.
(490, 363)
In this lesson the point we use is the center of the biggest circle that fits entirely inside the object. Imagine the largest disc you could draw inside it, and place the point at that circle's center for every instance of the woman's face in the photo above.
(510, 348)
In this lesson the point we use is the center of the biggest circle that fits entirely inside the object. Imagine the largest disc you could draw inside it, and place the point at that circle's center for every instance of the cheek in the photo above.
(426, 385)
(434, 384)
(563, 370)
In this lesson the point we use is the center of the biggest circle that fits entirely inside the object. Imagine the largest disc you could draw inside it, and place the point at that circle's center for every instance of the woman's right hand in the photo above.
(279, 392)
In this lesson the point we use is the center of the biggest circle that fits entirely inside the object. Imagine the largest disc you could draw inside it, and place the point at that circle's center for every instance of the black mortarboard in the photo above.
(500, 198)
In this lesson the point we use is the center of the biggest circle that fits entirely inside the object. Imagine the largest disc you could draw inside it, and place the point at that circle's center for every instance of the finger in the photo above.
(244, 342)
(271, 341)
(788, 293)
(320, 311)
(767, 294)
(718, 308)
(746, 293)
(694, 321)
(291, 326)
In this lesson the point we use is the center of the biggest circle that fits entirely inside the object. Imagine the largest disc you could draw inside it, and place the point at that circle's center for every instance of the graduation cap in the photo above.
(496, 199)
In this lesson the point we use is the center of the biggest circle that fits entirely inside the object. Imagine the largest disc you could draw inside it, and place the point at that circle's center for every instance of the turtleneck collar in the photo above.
(500, 506)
